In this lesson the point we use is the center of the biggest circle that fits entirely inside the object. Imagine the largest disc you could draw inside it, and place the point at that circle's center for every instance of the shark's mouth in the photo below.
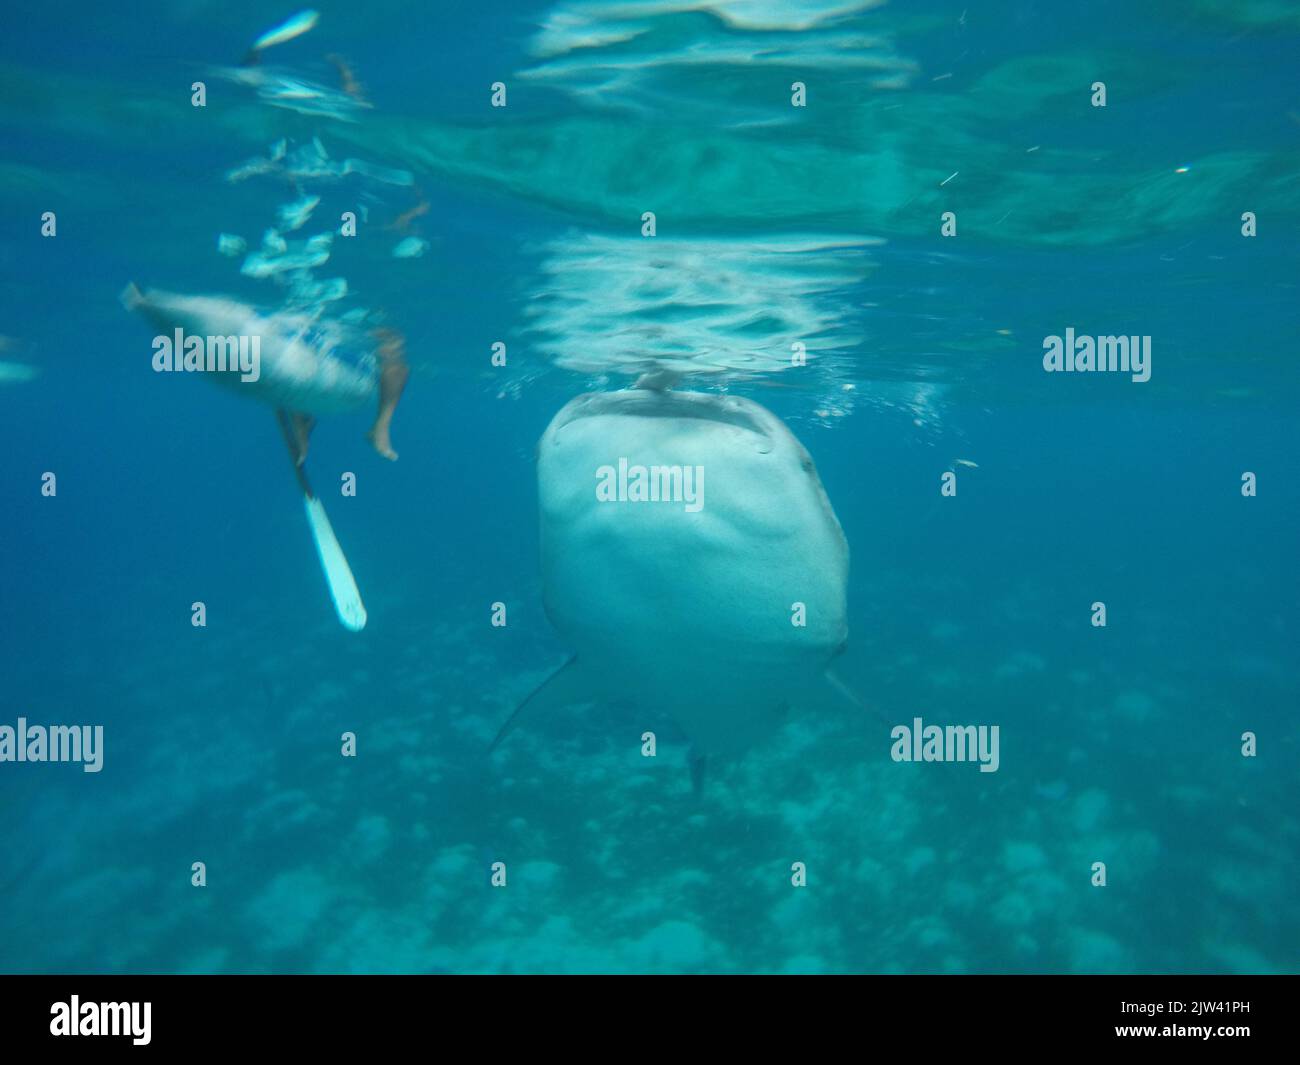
(647, 403)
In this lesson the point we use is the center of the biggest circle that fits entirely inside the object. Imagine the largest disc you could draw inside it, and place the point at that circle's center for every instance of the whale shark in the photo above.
(693, 562)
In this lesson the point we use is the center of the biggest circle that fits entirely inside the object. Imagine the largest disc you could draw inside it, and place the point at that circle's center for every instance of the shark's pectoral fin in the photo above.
(565, 687)
(837, 692)
(699, 767)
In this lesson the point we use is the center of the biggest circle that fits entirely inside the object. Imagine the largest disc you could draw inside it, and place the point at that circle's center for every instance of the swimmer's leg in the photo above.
(297, 432)
(393, 372)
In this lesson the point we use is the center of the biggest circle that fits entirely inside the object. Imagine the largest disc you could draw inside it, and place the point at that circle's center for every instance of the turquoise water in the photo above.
(775, 225)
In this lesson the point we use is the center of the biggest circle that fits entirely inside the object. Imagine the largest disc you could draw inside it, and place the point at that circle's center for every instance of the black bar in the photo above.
(684, 1016)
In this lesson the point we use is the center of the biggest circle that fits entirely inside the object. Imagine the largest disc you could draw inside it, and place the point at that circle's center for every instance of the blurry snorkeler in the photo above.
(301, 366)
